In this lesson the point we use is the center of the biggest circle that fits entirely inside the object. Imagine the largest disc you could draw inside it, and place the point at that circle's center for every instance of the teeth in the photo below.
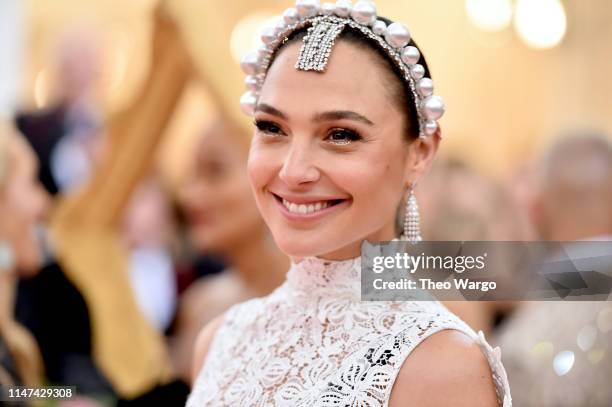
(305, 208)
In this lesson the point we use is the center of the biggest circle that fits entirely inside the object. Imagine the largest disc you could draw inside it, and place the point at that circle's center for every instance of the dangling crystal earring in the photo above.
(412, 230)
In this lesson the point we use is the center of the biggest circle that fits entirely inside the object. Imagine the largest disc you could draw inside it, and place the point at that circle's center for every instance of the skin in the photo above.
(216, 195)
(573, 181)
(223, 220)
(298, 158)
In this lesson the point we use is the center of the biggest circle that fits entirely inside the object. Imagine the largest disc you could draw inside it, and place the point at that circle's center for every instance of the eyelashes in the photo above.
(341, 136)
(338, 135)
(267, 127)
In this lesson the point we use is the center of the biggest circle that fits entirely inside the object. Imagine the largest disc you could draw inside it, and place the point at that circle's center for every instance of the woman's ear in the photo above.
(420, 157)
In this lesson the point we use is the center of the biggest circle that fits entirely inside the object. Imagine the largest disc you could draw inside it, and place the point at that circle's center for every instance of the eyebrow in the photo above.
(343, 114)
(330, 115)
(263, 107)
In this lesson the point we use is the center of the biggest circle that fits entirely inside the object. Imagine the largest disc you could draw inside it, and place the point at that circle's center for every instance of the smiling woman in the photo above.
(336, 146)
(341, 136)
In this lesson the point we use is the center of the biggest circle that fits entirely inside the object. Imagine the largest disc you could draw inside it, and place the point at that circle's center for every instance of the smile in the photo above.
(308, 209)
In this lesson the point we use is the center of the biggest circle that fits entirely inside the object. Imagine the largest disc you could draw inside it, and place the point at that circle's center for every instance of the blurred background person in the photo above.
(574, 189)
(103, 335)
(458, 204)
(223, 221)
(149, 232)
(23, 204)
(67, 138)
(566, 347)
(67, 135)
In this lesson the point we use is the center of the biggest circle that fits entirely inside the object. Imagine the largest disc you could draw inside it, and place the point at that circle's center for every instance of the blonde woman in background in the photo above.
(23, 203)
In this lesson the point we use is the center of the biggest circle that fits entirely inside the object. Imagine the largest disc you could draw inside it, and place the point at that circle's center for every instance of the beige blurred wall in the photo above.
(505, 101)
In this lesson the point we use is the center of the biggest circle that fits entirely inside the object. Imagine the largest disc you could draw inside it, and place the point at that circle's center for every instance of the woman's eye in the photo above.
(268, 127)
(343, 136)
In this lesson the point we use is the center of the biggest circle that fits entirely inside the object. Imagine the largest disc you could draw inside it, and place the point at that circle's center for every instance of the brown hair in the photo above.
(397, 85)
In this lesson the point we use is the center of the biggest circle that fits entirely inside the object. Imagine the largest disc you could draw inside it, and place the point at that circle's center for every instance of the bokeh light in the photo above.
(563, 362)
(540, 23)
(489, 15)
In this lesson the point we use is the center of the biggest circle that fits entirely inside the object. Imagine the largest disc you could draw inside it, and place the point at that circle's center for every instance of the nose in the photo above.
(298, 167)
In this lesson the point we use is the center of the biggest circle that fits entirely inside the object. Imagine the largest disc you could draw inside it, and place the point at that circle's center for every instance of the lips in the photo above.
(306, 206)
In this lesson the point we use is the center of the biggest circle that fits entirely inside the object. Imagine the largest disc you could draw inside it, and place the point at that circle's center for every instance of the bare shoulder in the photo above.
(448, 368)
(209, 297)
(202, 345)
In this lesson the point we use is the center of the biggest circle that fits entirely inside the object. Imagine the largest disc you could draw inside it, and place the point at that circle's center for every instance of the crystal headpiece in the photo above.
(326, 21)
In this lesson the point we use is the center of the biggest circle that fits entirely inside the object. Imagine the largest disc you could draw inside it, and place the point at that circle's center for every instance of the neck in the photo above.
(259, 263)
(353, 250)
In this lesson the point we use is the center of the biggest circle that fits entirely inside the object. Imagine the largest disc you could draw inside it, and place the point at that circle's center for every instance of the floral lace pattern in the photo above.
(312, 342)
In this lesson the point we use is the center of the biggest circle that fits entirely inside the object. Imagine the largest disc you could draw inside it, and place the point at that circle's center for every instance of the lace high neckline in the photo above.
(312, 340)
(314, 276)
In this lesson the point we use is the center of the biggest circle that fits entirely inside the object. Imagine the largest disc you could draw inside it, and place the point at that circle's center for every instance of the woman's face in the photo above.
(217, 197)
(328, 161)
(23, 204)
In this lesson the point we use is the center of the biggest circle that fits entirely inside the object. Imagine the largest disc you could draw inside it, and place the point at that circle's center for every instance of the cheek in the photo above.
(261, 167)
(373, 181)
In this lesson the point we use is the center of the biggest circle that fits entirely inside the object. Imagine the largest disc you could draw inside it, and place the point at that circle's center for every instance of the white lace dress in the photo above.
(312, 342)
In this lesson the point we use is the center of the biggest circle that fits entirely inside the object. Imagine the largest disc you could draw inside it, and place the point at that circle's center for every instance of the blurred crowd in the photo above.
(107, 274)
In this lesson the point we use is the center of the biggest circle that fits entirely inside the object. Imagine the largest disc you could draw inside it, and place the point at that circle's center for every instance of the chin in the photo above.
(294, 245)
(201, 242)
(29, 264)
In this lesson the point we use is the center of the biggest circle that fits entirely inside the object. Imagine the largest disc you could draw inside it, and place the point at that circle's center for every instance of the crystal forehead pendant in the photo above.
(317, 45)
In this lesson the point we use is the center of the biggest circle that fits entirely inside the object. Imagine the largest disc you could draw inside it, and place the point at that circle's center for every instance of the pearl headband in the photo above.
(325, 23)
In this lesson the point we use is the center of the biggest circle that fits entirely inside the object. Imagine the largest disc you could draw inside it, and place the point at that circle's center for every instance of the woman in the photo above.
(223, 221)
(23, 203)
(333, 153)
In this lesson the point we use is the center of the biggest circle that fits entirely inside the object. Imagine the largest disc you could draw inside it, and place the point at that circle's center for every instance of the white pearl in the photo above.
(364, 12)
(343, 8)
(397, 35)
(279, 26)
(379, 27)
(425, 87)
(431, 126)
(433, 107)
(410, 55)
(307, 8)
(417, 71)
(263, 51)
(251, 82)
(268, 35)
(328, 9)
(250, 63)
(248, 101)
(291, 16)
